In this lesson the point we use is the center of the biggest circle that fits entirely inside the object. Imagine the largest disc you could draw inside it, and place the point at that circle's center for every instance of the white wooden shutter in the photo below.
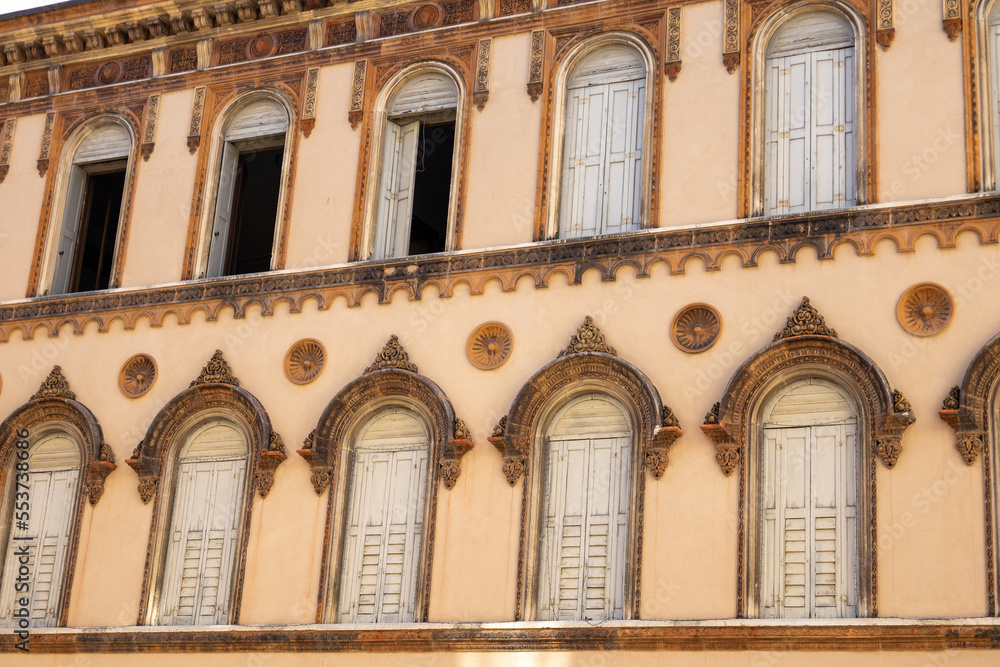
(385, 521)
(204, 527)
(392, 230)
(53, 482)
(428, 92)
(69, 231)
(104, 143)
(993, 46)
(224, 205)
(582, 560)
(260, 118)
(602, 156)
(809, 509)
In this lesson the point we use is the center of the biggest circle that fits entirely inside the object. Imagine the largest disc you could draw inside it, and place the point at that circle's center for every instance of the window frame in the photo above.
(988, 80)
(66, 174)
(376, 156)
(757, 96)
(210, 189)
(557, 142)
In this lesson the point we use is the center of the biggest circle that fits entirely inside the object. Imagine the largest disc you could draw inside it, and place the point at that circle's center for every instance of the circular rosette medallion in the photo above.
(304, 361)
(696, 328)
(137, 375)
(925, 309)
(490, 345)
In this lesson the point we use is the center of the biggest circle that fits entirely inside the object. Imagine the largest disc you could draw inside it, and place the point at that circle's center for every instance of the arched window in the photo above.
(206, 513)
(94, 178)
(810, 133)
(584, 516)
(605, 126)
(989, 46)
(383, 532)
(809, 503)
(44, 489)
(252, 155)
(419, 164)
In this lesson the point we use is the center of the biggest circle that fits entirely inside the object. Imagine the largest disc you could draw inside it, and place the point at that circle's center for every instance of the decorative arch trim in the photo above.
(55, 403)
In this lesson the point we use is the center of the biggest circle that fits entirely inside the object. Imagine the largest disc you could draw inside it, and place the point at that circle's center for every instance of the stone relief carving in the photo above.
(952, 18)
(54, 386)
(588, 338)
(924, 309)
(6, 146)
(149, 131)
(489, 345)
(884, 32)
(270, 459)
(137, 375)
(197, 112)
(309, 106)
(536, 64)
(481, 90)
(43, 153)
(731, 35)
(216, 371)
(304, 361)
(805, 321)
(393, 356)
(357, 94)
(672, 68)
(696, 328)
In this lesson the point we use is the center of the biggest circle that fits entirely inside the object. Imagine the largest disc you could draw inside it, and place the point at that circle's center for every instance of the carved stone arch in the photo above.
(391, 381)
(766, 20)
(806, 348)
(215, 393)
(55, 404)
(567, 56)
(971, 411)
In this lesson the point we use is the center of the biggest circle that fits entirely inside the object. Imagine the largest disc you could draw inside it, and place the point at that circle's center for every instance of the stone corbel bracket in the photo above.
(884, 32)
(970, 437)
(672, 67)
(727, 450)
(952, 22)
(268, 462)
(731, 35)
(148, 470)
(514, 459)
(149, 129)
(889, 430)
(658, 447)
(321, 474)
(449, 465)
(43, 153)
(97, 472)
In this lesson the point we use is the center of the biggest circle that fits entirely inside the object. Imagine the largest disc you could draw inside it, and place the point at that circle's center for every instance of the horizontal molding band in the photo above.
(859, 635)
(861, 228)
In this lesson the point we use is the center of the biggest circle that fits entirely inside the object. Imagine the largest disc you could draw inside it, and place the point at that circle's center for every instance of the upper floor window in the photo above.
(810, 135)
(605, 126)
(206, 513)
(86, 248)
(990, 81)
(384, 529)
(44, 488)
(253, 162)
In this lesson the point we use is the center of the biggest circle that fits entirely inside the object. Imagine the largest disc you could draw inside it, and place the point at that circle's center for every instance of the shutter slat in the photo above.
(260, 118)
(108, 142)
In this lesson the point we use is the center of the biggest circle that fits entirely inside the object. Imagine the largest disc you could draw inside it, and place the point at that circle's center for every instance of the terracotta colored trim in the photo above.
(984, 634)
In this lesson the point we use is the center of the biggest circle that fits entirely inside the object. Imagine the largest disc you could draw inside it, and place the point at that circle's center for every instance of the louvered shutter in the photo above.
(204, 527)
(261, 118)
(105, 143)
(429, 92)
(624, 161)
(70, 230)
(52, 488)
(392, 232)
(832, 128)
(223, 210)
(385, 521)
(809, 509)
(994, 51)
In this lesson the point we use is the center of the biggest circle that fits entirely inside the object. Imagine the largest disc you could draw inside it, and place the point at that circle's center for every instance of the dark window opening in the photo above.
(432, 188)
(255, 209)
(95, 246)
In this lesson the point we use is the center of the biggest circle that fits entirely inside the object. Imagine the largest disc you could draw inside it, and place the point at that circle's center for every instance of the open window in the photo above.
(86, 253)
(245, 230)
(415, 211)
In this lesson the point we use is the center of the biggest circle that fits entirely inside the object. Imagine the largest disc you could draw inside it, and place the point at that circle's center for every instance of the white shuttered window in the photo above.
(809, 151)
(204, 527)
(385, 514)
(53, 494)
(602, 158)
(993, 48)
(809, 530)
(585, 513)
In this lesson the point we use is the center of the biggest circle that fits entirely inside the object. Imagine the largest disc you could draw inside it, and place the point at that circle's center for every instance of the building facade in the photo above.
(500, 332)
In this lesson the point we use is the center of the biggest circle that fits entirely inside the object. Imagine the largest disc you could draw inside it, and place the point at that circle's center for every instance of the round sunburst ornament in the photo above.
(490, 345)
(137, 376)
(304, 361)
(696, 328)
(925, 309)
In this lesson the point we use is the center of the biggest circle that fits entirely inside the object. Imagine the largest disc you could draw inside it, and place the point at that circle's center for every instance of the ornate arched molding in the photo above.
(967, 408)
(215, 389)
(806, 345)
(55, 404)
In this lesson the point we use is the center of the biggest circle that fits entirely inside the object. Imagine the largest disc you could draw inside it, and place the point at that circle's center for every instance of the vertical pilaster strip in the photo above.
(43, 153)
(149, 128)
(731, 36)
(481, 92)
(885, 32)
(358, 94)
(953, 18)
(197, 111)
(309, 107)
(536, 64)
(672, 67)
(6, 147)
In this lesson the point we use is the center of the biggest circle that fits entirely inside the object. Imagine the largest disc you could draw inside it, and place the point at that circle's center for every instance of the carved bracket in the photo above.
(663, 439)
(321, 475)
(6, 146)
(481, 90)
(449, 466)
(514, 460)
(148, 470)
(889, 433)
(731, 35)
(727, 450)
(952, 18)
(149, 129)
(969, 438)
(269, 461)
(884, 32)
(98, 472)
(536, 64)
(358, 94)
(672, 66)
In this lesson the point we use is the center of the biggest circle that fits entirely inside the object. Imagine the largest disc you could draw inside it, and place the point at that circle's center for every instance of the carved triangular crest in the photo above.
(588, 338)
(216, 371)
(392, 356)
(805, 321)
(55, 386)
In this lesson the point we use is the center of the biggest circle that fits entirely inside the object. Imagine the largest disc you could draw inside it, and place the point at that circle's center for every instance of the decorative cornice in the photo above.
(805, 321)
(588, 338)
(392, 355)
(862, 229)
(54, 386)
(216, 371)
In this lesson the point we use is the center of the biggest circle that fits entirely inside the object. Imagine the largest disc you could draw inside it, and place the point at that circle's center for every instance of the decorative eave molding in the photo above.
(861, 229)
